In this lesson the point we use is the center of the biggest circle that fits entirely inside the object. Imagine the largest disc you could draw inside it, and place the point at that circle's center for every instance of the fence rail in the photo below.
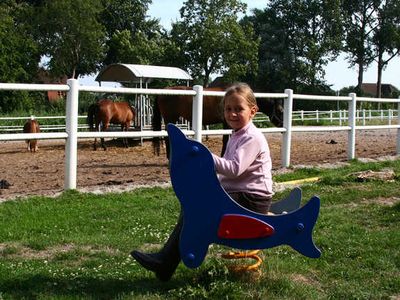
(72, 134)
(339, 116)
(43, 127)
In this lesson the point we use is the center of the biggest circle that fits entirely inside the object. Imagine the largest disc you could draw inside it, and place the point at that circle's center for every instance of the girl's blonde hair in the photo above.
(244, 90)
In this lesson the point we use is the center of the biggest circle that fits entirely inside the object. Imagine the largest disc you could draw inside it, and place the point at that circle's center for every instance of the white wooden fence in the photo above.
(339, 116)
(72, 134)
(47, 127)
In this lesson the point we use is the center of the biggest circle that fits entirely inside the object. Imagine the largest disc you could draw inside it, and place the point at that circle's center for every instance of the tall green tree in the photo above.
(120, 15)
(298, 38)
(71, 36)
(19, 54)
(132, 37)
(358, 17)
(386, 36)
(138, 48)
(210, 40)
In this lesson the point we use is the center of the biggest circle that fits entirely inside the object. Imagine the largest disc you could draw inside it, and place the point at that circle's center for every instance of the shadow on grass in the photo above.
(39, 285)
(143, 284)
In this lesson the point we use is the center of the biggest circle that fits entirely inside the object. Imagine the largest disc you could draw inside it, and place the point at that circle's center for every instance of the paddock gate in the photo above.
(72, 133)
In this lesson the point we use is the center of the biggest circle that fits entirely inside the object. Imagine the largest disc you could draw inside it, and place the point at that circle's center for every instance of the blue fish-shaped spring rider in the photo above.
(211, 216)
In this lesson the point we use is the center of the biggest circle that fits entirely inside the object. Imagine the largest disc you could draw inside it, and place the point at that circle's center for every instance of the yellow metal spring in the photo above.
(242, 255)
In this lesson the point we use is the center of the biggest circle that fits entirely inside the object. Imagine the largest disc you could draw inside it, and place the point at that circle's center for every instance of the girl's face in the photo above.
(237, 111)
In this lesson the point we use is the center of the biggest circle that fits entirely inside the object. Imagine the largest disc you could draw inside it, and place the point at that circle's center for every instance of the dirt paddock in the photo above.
(119, 168)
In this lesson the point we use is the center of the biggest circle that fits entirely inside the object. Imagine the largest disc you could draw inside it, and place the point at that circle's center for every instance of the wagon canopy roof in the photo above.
(140, 73)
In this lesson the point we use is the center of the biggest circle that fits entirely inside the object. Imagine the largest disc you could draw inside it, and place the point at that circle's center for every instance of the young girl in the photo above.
(244, 172)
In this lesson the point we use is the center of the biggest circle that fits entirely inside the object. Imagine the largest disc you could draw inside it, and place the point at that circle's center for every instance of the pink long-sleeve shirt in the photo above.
(246, 165)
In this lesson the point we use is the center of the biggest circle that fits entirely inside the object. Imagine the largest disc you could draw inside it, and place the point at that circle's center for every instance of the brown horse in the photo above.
(32, 126)
(172, 107)
(106, 112)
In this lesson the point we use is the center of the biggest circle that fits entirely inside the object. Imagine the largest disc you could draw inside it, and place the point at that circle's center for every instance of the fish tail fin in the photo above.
(288, 204)
(307, 216)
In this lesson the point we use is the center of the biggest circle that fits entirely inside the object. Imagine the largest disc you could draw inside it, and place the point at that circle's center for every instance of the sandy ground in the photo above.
(119, 168)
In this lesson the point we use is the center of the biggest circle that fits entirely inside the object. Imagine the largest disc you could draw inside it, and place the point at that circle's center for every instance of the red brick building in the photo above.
(387, 90)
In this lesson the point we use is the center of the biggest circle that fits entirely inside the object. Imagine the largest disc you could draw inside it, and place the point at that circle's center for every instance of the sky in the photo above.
(337, 73)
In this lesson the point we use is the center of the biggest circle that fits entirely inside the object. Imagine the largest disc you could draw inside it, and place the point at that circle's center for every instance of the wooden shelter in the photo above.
(141, 75)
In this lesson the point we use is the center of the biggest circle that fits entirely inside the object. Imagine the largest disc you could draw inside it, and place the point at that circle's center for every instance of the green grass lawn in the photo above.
(77, 246)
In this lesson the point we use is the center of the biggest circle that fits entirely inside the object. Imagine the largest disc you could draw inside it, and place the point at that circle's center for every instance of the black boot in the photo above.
(164, 262)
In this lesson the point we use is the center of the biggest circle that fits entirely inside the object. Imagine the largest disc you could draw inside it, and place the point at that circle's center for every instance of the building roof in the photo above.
(140, 73)
(370, 88)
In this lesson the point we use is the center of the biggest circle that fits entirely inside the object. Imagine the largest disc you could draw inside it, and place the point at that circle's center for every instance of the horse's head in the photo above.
(133, 110)
(273, 108)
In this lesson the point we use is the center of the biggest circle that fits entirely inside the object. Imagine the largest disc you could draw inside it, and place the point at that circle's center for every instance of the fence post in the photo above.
(352, 123)
(71, 127)
(287, 124)
(197, 112)
(398, 129)
(363, 117)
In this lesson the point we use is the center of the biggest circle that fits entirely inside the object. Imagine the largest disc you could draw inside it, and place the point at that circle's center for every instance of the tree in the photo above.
(71, 36)
(131, 36)
(386, 35)
(210, 40)
(120, 15)
(298, 38)
(19, 55)
(134, 48)
(358, 16)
